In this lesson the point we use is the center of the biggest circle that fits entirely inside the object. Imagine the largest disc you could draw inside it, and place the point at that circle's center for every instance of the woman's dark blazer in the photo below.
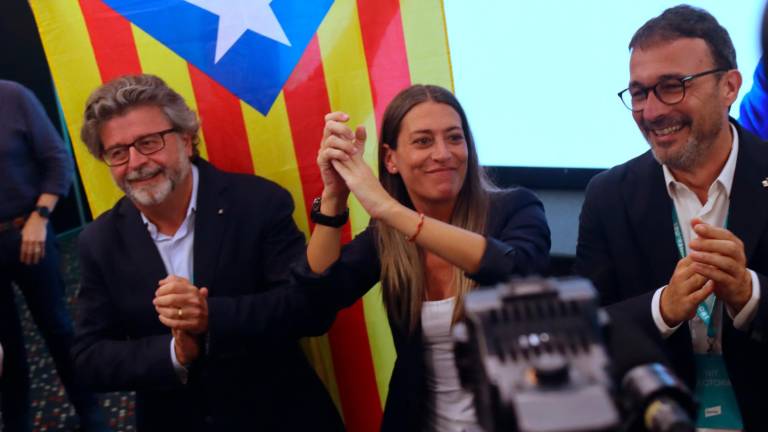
(518, 242)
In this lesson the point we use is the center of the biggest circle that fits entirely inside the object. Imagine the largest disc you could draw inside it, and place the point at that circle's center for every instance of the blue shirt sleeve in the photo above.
(49, 150)
(753, 114)
(33, 158)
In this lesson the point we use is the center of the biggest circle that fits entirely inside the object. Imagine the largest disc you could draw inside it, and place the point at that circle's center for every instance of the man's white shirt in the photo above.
(713, 212)
(176, 252)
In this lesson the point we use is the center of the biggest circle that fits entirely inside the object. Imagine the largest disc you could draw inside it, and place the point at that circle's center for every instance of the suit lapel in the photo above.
(211, 220)
(139, 247)
(650, 215)
(749, 199)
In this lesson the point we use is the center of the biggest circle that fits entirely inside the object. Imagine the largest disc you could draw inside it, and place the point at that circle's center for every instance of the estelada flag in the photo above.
(262, 74)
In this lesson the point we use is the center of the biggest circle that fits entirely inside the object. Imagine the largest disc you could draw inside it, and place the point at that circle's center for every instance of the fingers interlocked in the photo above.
(340, 142)
(181, 305)
(718, 255)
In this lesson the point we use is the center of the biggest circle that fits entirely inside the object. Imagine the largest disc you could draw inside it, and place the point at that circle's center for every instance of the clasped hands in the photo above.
(183, 308)
(344, 170)
(715, 263)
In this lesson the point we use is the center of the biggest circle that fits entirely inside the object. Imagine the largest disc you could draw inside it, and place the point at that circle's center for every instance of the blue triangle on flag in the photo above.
(262, 44)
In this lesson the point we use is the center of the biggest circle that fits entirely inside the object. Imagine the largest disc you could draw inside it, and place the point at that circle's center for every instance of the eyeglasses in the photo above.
(669, 91)
(146, 145)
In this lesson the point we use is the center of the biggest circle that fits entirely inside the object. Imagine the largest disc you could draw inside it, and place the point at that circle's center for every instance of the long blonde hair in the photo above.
(402, 271)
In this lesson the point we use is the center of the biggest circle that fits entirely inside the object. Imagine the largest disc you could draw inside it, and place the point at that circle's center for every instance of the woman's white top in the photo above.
(451, 408)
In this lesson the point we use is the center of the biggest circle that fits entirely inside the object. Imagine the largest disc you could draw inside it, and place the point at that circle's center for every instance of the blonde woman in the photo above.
(438, 230)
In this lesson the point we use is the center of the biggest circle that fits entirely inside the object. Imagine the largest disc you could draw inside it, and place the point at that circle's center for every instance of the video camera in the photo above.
(533, 353)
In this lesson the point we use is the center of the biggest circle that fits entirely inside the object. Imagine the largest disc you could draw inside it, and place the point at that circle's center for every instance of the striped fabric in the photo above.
(363, 53)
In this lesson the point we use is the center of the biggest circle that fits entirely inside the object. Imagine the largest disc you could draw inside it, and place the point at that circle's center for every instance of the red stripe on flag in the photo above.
(382, 30)
(223, 126)
(306, 99)
(112, 40)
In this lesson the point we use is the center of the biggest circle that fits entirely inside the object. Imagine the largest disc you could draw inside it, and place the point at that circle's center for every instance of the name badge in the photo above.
(718, 408)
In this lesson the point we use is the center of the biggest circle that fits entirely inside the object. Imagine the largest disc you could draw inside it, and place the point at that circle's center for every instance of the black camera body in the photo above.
(532, 351)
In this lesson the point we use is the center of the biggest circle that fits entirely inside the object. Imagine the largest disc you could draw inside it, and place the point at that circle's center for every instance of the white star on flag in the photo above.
(238, 16)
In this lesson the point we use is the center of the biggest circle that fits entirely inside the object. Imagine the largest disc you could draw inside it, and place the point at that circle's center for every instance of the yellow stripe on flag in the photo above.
(75, 74)
(426, 42)
(349, 90)
(269, 139)
(158, 60)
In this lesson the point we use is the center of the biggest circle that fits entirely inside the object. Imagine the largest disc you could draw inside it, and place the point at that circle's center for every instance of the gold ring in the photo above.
(179, 314)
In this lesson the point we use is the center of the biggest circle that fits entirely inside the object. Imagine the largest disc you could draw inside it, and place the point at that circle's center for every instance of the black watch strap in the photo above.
(43, 211)
(331, 221)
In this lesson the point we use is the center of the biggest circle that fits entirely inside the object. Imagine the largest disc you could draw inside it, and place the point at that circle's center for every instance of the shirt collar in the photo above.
(191, 209)
(726, 175)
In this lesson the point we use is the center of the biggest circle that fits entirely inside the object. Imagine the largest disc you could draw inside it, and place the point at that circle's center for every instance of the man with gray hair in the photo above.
(677, 238)
(185, 295)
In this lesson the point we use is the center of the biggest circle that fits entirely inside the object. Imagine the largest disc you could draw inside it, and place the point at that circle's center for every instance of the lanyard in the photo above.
(705, 309)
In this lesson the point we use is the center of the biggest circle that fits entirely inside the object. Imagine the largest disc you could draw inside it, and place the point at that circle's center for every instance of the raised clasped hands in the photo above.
(343, 168)
(183, 308)
(716, 262)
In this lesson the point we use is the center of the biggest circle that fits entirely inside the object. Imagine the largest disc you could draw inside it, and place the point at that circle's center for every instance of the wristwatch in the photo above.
(331, 221)
(43, 211)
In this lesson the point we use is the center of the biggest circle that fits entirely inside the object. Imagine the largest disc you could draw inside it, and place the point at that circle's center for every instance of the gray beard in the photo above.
(695, 150)
(155, 194)
(152, 195)
(688, 158)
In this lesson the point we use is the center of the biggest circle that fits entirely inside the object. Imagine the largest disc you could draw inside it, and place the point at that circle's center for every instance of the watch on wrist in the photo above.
(43, 211)
(331, 221)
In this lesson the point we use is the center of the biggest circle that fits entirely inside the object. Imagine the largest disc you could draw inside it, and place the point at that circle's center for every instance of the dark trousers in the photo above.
(43, 289)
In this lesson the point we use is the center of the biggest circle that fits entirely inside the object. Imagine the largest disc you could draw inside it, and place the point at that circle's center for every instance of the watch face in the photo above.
(331, 221)
(43, 211)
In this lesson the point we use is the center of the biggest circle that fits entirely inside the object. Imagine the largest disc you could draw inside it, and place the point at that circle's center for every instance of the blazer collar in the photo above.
(211, 220)
(140, 250)
(650, 213)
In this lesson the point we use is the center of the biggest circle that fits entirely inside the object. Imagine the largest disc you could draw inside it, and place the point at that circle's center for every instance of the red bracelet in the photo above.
(418, 228)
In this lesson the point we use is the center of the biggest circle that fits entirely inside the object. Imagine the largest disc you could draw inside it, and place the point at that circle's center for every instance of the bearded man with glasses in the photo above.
(184, 293)
(677, 238)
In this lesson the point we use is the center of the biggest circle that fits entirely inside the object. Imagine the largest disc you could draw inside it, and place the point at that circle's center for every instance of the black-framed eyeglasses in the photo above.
(669, 91)
(146, 145)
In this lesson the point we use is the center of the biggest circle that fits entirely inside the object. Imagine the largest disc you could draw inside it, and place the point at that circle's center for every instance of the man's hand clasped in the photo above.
(183, 308)
(715, 263)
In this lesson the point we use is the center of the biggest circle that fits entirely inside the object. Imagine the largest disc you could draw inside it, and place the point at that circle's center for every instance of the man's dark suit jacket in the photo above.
(627, 248)
(253, 375)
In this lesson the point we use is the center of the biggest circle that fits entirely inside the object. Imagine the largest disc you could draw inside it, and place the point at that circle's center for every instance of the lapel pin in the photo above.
(765, 183)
